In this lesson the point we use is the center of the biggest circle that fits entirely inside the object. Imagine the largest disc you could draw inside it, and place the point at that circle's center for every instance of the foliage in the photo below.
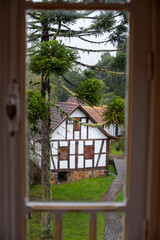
(59, 24)
(89, 73)
(71, 79)
(115, 112)
(120, 197)
(113, 83)
(35, 226)
(37, 109)
(56, 22)
(51, 25)
(112, 170)
(112, 22)
(51, 57)
(34, 173)
(90, 90)
(121, 141)
(113, 148)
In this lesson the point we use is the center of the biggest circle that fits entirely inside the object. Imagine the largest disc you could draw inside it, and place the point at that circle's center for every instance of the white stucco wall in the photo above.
(80, 161)
(70, 131)
(63, 164)
(83, 132)
(111, 130)
(78, 113)
(72, 162)
(55, 159)
(97, 144)
(72, 147)
(54, 147)
(88, 163)
(80, 147)
(95, 133)
(102, 161)
(60, 132)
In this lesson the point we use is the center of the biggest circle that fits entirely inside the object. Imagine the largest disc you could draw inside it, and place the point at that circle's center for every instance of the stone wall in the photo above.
(78, 175)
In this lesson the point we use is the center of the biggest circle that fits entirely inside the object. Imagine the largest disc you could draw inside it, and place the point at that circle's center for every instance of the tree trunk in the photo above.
(45, 159)
(46, 182)
(45, 162)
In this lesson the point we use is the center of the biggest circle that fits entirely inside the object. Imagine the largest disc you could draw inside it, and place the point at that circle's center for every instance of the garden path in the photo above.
(114, 220)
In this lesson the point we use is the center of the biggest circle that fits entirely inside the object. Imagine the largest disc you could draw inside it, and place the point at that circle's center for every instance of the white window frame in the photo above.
(141, 134)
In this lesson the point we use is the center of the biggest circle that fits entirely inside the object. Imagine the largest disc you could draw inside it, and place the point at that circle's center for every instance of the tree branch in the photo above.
(99, 68)
(92, 41)
(92, 50)
(33, 84)
(58, 30)
(69, 81)
(64, 87)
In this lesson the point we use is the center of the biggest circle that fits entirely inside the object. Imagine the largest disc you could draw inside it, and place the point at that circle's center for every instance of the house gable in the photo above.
(68, 129)
(77, 147)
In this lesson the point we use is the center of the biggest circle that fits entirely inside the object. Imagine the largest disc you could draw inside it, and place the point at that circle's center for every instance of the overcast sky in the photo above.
(85, 57)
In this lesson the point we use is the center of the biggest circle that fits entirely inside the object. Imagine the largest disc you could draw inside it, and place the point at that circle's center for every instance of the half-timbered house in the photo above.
(77, 151)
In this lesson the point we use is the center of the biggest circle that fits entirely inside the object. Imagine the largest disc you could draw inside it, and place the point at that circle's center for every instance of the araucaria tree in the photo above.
(115, 112)
(49, 57)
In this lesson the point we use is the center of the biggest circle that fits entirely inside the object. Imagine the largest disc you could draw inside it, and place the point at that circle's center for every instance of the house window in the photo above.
(62, 176)
(77, 127)
(89, 152)
(63, 153)
(134, 206)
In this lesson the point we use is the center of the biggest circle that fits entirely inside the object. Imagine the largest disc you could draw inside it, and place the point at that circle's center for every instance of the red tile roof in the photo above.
(57, 117)
(96, 113)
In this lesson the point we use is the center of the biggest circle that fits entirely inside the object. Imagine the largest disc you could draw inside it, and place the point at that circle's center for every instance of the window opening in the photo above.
(62, 177)
(73, 90)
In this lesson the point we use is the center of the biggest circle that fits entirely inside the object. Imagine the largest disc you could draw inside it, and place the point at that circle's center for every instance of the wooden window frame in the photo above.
(142, 115)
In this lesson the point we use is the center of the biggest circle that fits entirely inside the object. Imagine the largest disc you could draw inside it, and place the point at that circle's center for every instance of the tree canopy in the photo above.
(36, 109)
(51, 57)
(90, 90)
(115, 112)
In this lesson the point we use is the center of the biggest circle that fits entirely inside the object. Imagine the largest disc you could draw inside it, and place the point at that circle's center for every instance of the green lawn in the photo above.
(120, 196)
(75, 225)
(112, 149)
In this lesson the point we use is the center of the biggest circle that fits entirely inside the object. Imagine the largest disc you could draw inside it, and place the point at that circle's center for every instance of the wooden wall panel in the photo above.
(63, 153)
(89, 152)
(76, 125)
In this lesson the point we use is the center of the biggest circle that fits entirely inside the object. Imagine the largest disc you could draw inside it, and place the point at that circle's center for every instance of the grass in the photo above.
(82, 190)
(75, 225)
(112, 149)
(35, 226)
(100, 226)
(120, 196)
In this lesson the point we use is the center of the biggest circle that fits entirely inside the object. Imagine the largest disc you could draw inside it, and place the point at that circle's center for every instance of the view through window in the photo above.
(76, 88)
